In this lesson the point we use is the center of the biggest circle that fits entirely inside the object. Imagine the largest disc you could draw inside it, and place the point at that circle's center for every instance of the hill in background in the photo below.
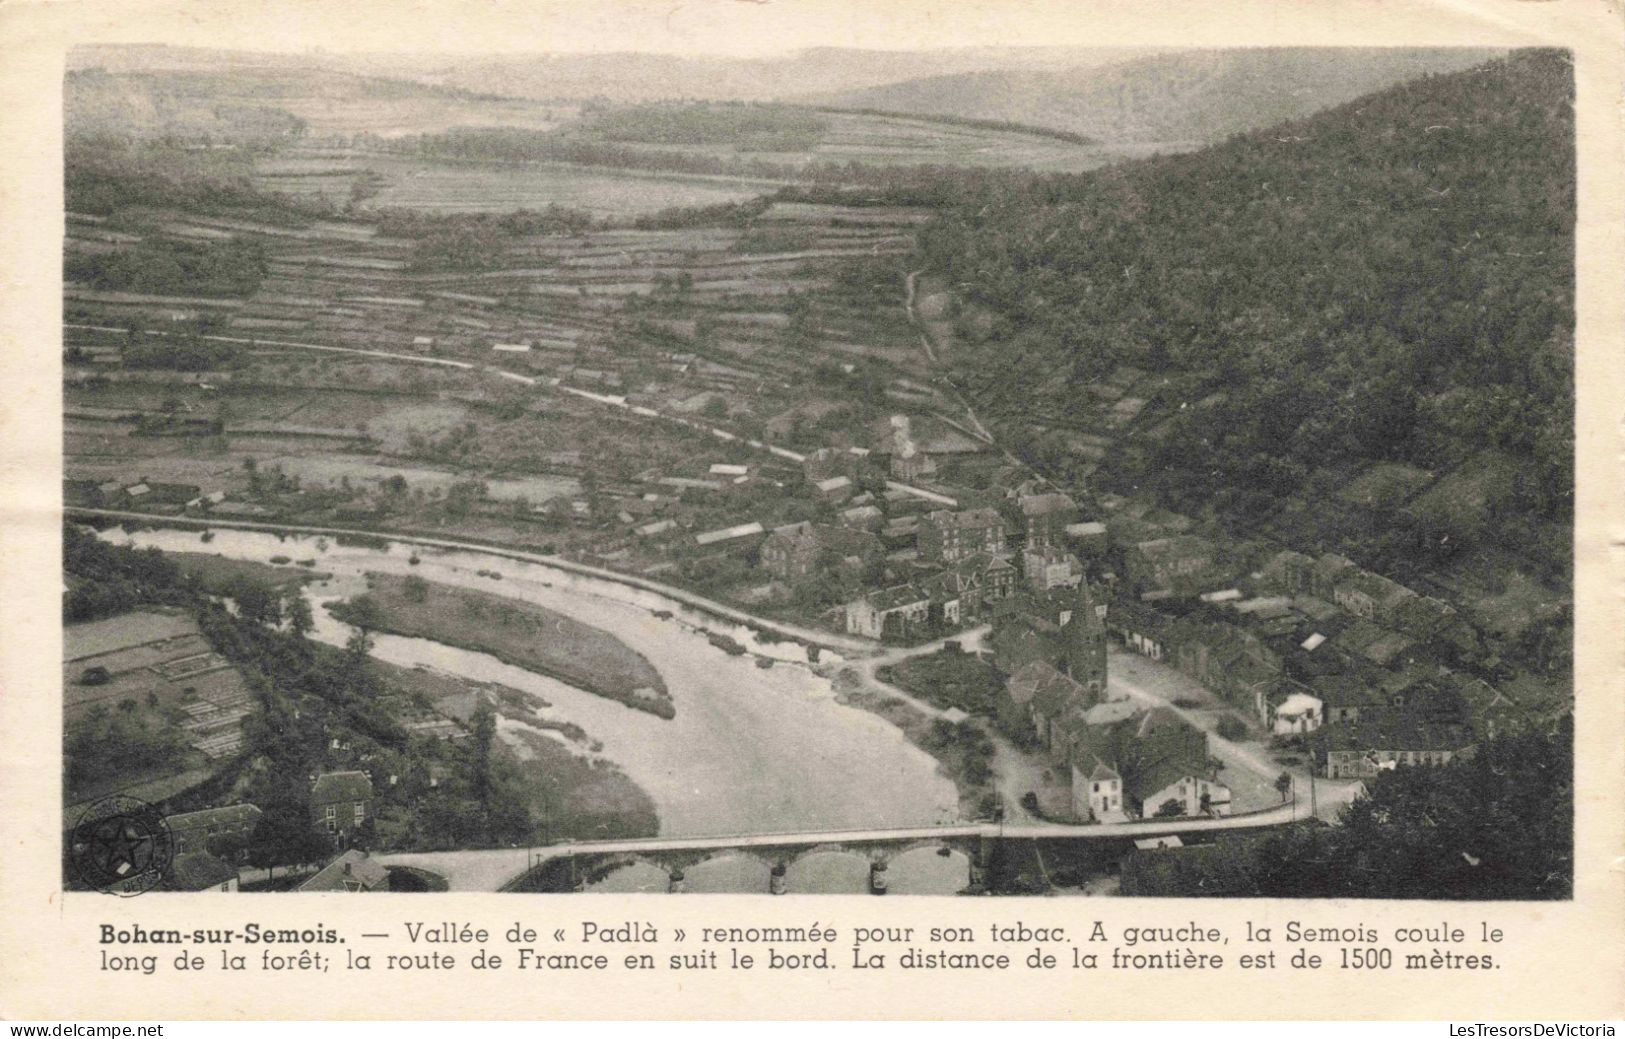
(1181, 96)
(1387, 283)
(620, 77)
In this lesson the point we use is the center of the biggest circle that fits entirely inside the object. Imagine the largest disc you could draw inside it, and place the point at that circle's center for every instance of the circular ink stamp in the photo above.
(121, 845)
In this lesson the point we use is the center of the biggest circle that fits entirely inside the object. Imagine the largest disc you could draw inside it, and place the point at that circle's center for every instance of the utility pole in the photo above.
(1314, 809)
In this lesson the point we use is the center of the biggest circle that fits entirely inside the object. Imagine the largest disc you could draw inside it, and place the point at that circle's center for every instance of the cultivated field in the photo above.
(492, 187)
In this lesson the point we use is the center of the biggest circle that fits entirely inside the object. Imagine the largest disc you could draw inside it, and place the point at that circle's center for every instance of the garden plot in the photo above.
(331, 471)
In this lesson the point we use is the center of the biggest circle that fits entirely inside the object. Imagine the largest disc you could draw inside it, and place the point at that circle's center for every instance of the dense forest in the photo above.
(1496, 825)
(106, 174)
(231, 267)
(1389, 280)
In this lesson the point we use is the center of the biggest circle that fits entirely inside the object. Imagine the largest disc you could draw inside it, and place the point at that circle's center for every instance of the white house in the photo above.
(1097, 795)
(1299, 712)
(1196, 794)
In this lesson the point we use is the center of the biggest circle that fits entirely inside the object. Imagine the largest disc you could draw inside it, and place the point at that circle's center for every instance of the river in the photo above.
(751, 750)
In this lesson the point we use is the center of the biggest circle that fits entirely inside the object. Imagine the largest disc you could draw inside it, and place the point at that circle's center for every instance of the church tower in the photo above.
(1084, 636)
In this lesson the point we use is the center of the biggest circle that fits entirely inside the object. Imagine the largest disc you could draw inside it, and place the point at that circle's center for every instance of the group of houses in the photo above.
(960, 563)
(210, 844)
(1124, 762)
(1322, 648)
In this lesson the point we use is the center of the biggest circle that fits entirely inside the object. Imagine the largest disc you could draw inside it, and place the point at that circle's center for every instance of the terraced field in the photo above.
(490, 187)
(712, 343)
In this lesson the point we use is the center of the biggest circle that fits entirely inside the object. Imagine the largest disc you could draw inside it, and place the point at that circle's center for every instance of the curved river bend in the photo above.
(751, 750)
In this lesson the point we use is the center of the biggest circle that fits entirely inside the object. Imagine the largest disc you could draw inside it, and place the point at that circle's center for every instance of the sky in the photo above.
(745, 28)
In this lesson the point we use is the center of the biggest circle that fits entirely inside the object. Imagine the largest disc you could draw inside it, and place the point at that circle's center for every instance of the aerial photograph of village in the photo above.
(1051, 471)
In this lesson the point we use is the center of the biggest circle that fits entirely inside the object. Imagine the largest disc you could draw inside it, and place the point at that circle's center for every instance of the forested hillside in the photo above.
(1391, 280)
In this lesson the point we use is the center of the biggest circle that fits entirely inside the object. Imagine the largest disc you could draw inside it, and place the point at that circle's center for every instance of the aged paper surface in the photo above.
(67, 957)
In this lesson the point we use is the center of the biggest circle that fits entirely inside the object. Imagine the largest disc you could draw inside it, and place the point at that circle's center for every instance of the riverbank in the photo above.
(750, 750)
(962, 749)
(569, 791)
(518, 633)
(804, 636)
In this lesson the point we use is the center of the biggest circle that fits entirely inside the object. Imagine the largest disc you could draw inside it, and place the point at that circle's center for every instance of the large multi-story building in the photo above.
(948, 537)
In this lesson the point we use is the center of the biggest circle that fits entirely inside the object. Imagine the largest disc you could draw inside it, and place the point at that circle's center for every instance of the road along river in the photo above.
(751, 750)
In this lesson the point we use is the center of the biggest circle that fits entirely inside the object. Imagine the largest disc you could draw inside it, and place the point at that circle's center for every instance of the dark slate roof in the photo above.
(352, 871)
(1345, 690)
(896, 596)
(1047, 689)
(980, 563)
(229, 815)
(197, 871)
(341, 786)
(1043, 504)
(1401, 733)
(1158, 775)
(967, 519)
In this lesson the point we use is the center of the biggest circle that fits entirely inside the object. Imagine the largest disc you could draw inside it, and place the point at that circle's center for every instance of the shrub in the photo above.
(1232, 728)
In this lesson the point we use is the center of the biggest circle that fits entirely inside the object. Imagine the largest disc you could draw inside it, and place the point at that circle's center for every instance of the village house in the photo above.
(1230, 662)
(1097, 792)
(1088, 539)
(891, 612)
(948, 537)
(1379, 645)
(1325, 575)
(993, 577)
(864, 517)
(901, 533)
(1289, 572)
(1045, 518)
(1037, 699)
(1046, 567)
(913, 450)
(213, 828)
(1020, 637)
(1128, 764)
(905, 461)
(200, 871)
(1369, 595)
(793, 552)
(953, 599)
(1436, 622)
(1344, 696)
(1176, 787)
(354, 871)
(1361, 751)
(1299, 712)
(341, 802)
(835, 489)
(1140, 627)
(1173, 563)
(739, 538)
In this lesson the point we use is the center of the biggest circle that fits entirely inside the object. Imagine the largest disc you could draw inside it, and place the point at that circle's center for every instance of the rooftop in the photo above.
(352, 871)
(341, 786)
(229, 815)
